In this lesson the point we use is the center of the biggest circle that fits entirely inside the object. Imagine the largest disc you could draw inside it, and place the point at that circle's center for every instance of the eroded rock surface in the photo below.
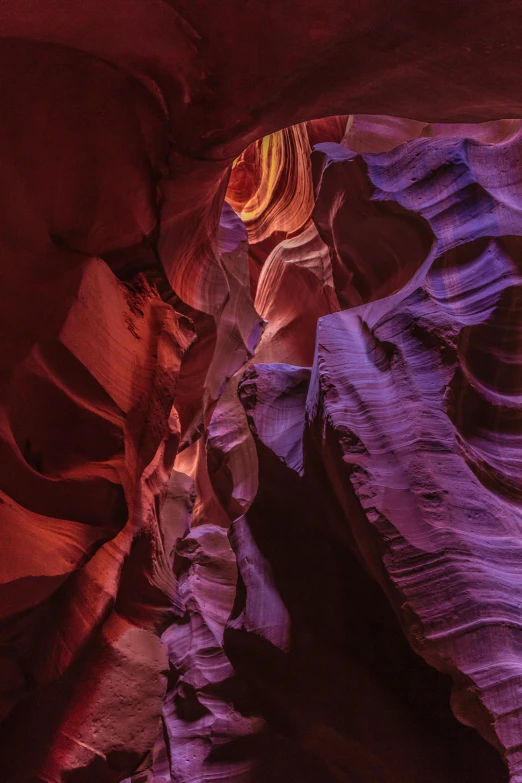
(260, 400)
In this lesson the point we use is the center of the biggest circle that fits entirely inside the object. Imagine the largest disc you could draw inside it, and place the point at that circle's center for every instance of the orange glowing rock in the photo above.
(270, 184)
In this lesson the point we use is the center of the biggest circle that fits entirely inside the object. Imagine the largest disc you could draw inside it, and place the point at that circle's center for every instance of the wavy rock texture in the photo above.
(356, 537)
(260, 392)
(88, 438)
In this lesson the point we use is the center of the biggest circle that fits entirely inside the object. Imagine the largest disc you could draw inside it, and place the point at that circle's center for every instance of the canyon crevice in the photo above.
(261, 392)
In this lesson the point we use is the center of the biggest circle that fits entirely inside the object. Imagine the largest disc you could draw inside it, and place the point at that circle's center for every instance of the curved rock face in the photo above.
(260, 400)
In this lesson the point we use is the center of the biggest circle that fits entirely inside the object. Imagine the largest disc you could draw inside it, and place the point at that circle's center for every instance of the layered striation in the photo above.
(372, 629)
(260, 399)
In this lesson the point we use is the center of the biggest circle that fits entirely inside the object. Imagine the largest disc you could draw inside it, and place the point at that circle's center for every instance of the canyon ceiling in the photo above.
(261, 391)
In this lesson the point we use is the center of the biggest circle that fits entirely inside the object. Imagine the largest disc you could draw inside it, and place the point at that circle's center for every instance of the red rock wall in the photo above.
(260, 491)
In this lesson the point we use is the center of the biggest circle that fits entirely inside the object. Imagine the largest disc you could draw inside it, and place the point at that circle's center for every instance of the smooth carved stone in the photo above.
(86, 496)
(274, 397)
(212, 557)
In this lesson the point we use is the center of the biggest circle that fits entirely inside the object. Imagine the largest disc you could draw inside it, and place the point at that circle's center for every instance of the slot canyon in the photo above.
(261, 391)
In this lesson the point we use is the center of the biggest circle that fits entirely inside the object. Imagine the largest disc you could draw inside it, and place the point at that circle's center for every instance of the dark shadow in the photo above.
(351, 694)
